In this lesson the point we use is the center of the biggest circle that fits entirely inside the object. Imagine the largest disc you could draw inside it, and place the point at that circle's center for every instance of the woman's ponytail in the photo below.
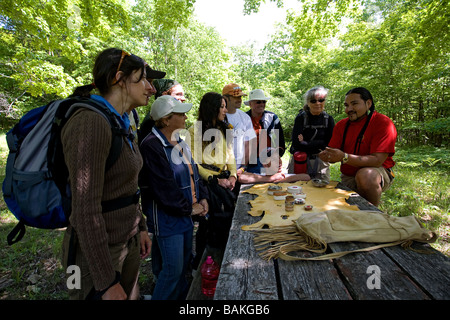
(83, 91)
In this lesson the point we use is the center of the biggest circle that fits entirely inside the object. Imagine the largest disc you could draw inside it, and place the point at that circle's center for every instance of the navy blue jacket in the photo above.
(165, 185)
(270, 121)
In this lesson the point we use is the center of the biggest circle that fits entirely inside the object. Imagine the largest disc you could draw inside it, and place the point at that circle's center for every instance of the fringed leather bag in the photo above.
(313, 231)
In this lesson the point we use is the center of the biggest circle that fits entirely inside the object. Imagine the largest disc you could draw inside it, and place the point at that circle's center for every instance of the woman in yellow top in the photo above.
(212, 148)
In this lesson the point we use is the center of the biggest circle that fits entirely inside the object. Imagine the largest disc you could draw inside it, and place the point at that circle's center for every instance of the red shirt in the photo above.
(257, 126)
(379, 137)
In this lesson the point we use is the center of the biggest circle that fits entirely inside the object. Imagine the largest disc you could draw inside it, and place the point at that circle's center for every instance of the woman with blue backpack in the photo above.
(107, 233)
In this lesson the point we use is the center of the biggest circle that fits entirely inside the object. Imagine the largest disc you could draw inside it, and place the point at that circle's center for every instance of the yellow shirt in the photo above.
(217, 153)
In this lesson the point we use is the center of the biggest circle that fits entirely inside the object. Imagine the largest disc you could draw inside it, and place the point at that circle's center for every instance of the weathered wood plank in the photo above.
(428, 267)
(311, 280)
(244, 275)
(356, 199)
(360, 279)
(316, 280)
(417, 265)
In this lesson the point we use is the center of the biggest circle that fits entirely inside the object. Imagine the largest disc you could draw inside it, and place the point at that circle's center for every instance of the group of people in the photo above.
(193, 175)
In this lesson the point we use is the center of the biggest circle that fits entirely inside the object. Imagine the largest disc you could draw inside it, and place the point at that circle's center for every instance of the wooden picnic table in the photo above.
(401, 274)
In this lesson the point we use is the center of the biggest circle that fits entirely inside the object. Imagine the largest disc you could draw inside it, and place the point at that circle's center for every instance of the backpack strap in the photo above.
(136, 117)
(117, 131)
(307, 125)
(116, 146)
(284, 249)
(120, 203)
(7, 186)
(285, 256)
(16, 233)
(312, 169)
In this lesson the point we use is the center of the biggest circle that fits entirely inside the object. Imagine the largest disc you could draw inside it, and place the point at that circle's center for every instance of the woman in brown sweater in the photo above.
(106, 245)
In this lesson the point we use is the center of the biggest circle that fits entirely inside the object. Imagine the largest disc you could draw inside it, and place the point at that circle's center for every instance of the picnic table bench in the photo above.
(391, 273)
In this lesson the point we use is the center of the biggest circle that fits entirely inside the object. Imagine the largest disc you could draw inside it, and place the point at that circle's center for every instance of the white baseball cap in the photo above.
(256, 94)
(165, 105)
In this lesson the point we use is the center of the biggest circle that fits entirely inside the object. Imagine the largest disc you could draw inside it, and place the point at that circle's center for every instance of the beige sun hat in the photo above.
(256, 94)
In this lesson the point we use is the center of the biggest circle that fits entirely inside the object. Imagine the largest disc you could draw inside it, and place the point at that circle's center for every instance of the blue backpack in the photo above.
(36, 187)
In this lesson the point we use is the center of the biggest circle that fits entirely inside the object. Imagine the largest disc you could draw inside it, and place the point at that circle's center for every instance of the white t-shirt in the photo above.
(242, 131)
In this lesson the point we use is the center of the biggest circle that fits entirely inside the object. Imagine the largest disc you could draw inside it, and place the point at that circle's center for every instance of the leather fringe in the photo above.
(270, 243)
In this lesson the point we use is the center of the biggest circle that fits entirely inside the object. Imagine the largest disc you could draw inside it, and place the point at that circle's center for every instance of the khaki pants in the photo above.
(386, 180)
(125, 258)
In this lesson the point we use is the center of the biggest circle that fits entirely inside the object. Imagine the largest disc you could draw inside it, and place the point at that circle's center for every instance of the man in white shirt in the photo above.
(242, 124)
(243, 133)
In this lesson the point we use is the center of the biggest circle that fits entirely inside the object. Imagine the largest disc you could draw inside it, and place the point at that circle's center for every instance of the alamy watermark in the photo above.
(374, 280)
(74, 280)
(210, 148)
(74, 21)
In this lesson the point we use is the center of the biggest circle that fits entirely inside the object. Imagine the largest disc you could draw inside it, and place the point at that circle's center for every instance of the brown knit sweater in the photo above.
(86, 140)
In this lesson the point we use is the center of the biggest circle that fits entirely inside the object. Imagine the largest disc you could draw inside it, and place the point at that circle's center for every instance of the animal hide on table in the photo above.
(274, 213)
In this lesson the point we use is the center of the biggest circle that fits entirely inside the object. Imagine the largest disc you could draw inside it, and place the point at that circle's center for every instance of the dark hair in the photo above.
(145, 128)
(209, 111)
(105, 69)
(365, 95)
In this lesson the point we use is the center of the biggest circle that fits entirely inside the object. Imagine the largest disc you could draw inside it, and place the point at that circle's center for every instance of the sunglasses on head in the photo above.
(318, 100)
(122, 57)
(124, 54)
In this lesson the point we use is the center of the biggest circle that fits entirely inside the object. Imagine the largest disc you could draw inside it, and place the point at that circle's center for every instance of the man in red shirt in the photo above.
(365, 144)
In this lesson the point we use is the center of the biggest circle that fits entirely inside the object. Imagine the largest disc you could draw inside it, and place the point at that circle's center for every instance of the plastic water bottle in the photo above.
(210, 273)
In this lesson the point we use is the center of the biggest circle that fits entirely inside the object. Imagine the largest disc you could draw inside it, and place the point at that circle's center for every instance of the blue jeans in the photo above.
(170, 258)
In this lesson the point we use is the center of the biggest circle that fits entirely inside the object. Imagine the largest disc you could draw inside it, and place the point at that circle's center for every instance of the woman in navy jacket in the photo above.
(172, 191)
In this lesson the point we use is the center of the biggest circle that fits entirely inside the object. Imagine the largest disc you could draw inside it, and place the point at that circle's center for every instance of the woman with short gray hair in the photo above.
(312, 131)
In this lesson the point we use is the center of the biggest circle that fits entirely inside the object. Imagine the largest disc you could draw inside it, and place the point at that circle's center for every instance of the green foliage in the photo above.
(421, 187)
(39, 76)
(398, 50)
(48, 43)
(252, 6)
(380, 45)
(189, 52)
(163, 13)
(424, 156)
(440, 125)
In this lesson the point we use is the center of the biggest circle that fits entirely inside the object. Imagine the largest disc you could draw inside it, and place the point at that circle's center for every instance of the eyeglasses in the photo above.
(261, 102)
(315, 101)
(124, 54)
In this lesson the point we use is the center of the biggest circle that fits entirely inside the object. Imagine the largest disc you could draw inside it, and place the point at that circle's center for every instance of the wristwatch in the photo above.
(345, 158)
